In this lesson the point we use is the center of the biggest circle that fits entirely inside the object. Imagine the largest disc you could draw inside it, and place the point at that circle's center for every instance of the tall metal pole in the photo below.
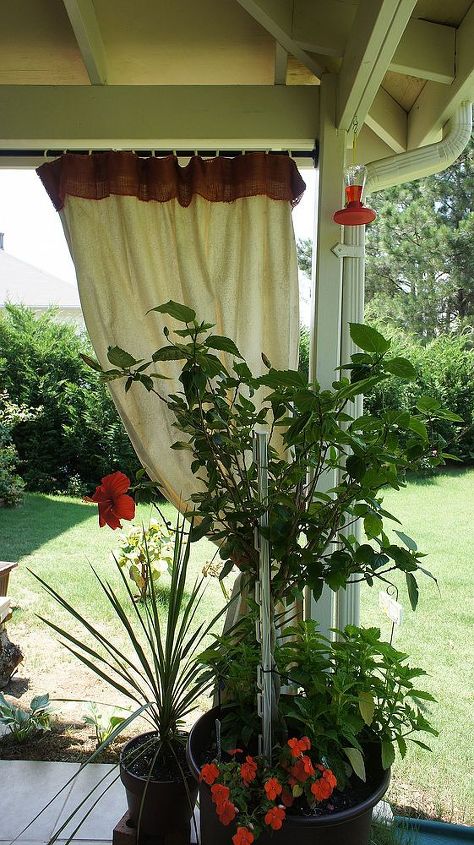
(263, 599)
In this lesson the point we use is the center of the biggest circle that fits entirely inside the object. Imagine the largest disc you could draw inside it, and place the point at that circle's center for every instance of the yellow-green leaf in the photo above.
(356, 760)
(367, 707)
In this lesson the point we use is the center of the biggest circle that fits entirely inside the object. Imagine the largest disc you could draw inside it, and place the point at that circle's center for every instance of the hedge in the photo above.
(77, 435)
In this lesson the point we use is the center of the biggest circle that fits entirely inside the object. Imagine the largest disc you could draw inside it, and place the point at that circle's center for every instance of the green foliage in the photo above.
(103, 725)
(444, 371)
(344, 695)
(25, 724)
(11, 484)
(304, 250)
(217, 411)
(146, 551)
(420, 260)
(233, 660)
(303, 363)
(351, 692)
(76, 435)
(157, 670)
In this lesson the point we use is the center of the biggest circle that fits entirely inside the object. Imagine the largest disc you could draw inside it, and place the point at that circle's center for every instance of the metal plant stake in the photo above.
(263, 599)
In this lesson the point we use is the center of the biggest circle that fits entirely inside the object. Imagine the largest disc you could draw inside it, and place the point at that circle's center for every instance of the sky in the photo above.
(33, 230)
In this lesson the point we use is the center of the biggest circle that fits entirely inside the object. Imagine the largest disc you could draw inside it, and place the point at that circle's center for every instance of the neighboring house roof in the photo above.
(24, 284)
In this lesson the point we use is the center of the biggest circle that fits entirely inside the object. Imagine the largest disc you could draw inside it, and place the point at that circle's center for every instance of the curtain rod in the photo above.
(51, 153)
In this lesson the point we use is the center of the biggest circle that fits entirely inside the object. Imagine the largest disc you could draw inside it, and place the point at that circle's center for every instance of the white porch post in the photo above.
(325, 332)
(353, 276)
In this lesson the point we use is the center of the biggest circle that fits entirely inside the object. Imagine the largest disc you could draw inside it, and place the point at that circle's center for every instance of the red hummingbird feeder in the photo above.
(355, 213)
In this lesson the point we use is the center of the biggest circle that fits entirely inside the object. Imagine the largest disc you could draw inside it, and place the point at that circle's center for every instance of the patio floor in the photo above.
(27, 787)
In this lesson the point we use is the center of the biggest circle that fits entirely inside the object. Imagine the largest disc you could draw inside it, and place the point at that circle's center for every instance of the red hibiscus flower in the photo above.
(248, 770)
(209, 773)
(243, 836)
(220, 793)
(112, 500)
(272, 788)
(226, 812)
(275, 817)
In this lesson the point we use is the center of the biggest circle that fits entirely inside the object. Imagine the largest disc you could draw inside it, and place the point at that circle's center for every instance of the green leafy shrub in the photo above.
(11, 484)
(24, 724)
(103, 725)
(444, 371)
(78, 436)
(146, 552)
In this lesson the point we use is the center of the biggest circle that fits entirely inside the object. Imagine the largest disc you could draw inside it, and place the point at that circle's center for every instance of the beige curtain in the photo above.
(220, 241)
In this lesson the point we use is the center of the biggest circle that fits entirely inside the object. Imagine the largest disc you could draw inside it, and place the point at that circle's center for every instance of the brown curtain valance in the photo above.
(99, 175)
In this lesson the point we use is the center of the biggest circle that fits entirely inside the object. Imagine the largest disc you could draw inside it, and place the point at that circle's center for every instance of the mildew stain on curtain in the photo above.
(216, 235)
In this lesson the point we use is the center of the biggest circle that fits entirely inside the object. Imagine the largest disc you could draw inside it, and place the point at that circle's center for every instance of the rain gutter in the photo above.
(382, 174)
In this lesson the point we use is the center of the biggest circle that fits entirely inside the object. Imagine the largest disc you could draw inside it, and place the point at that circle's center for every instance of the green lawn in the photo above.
(58, 536)
(438, 512)
(59, 539)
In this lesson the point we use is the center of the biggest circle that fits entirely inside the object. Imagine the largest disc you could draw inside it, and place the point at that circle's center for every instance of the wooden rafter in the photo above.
(436, 103)
(378, 28)
(276, 17)
(281, 64)
(426, 50)
(388, 120)
(84, 22)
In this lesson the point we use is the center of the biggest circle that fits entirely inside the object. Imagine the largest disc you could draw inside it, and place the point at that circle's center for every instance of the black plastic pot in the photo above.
(166, 806)
(347, 827)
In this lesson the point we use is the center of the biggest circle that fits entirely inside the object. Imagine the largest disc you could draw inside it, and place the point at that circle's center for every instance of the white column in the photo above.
(325, 332)
(353, 276)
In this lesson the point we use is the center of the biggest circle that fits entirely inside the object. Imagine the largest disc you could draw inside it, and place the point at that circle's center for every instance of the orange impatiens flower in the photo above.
(226, 812)
(220, 793)
(244, 836)
(324, 787)
(248, 770)
(302, 769)
(287, 798)
(209, 773)
(272, 788)
(321, 789)
(275, 817)
(114, 504)
(298, 746)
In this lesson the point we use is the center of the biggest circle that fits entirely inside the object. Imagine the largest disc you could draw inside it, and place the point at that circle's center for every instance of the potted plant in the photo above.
(314, 443)
(157, 671)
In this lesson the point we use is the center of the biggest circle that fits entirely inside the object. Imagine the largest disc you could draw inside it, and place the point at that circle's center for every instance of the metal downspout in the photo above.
(381, 174)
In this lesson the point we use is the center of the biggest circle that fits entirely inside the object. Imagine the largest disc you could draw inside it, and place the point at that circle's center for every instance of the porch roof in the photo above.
(230, 73)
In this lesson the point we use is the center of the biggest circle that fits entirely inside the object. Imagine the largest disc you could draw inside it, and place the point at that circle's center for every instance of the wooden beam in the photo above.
(426, 50)
(377, 30)
(436, 103)
(281, 64)
(168, 117)
(84, 22)
(388, 120)
(275, 16)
